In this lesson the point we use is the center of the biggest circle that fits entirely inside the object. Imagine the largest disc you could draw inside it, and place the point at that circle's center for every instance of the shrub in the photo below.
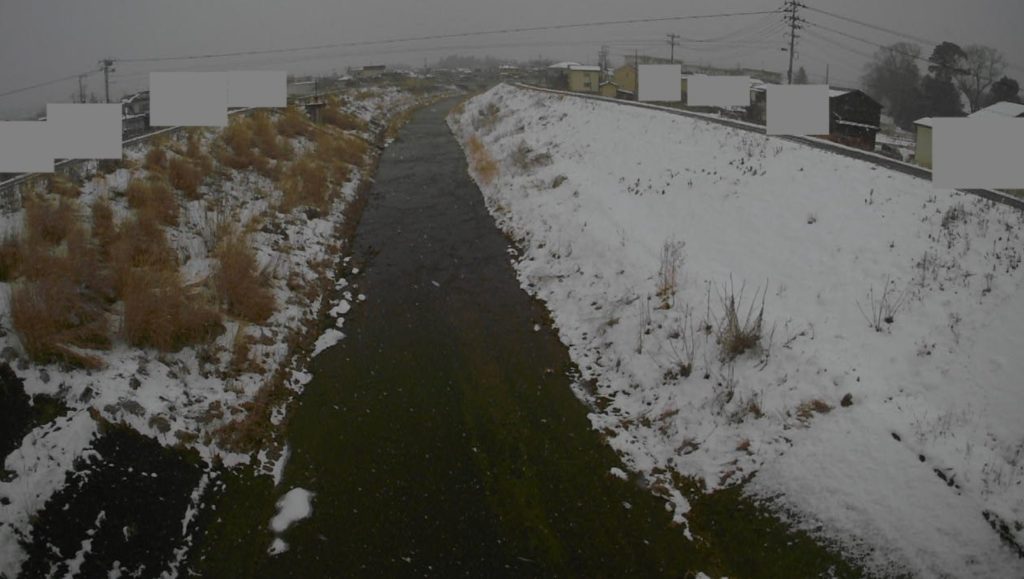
(736, 336)
(242, 286)
(186, 176)
(305, 184)
(293, 123)
(153, 199)
(140, 243)
(156, 158)
(64, 187)
(266, 139)
(61, 304)
(160, 313)
(47, 221)
(10, 253)
(237, 143)
(333, 115)
(104, 230)
(524, 159)
(480, 160)
(342, 150)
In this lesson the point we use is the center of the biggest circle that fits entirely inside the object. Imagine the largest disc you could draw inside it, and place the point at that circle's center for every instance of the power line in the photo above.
(48, 83)
(454, 35)
(874, 26)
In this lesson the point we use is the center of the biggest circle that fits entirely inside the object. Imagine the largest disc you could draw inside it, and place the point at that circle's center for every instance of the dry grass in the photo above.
(104, 230)
(156, 158)
(139, 243)
(60, 305)
(186, 176)
(10, 256)
(64, 187)
(153, 199)
(294, 123)
(668, 271)
(485, 167)
(735, 335)
(236, 150)
(48, 221)
(242, 286)
(160, 313)
(305, 184)
(809, 408)
(267, 140)
(333, 115)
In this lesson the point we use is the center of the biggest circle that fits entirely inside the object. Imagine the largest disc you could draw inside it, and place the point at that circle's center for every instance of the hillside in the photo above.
(842, 340)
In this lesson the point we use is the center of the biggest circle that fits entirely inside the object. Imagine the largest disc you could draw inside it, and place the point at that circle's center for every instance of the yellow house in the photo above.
(923, 146)
(609, 89)
(625, 78)
(584, 78)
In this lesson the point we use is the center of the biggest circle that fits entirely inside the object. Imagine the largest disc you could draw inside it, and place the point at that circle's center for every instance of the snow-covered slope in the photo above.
(896, 440)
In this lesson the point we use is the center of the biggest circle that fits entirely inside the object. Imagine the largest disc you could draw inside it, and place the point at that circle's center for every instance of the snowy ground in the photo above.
(185, 397)
(904, 442)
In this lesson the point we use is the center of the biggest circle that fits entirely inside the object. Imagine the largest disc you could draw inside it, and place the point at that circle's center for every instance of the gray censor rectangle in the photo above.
(188, 99)
(25, 147)
(257, 88)
(718, 91)
(797, 109)
(85, 130)
(978, 153)
(659, 83)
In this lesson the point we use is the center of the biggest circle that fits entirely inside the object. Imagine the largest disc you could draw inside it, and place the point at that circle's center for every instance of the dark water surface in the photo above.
(441, 437)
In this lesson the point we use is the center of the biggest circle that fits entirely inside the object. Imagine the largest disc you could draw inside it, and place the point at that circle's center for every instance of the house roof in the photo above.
(835, 92)
(857, 125)
(925, 122)
(1003, 109)
(564, 65)
(585, 67)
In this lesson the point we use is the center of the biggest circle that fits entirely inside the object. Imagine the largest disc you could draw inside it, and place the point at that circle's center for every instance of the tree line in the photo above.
(973, 75)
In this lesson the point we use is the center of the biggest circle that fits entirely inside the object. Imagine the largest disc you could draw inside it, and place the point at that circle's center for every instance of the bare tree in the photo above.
(984, 66)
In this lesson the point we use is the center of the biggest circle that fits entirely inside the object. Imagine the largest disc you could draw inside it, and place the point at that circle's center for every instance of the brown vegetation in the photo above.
(153, 199)
(48, 221)
(242, 286)
(294, 123)
(160, 313)
(480, 160)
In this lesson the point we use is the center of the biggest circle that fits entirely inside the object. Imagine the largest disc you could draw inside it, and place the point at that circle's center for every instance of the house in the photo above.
(557, 75)
(608, 89)
(923, 127)
(625, 78)
(584, 78)
(135, 112)
(854, 118)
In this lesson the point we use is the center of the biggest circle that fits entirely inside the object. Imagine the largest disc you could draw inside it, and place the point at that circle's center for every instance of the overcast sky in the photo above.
(41, 40)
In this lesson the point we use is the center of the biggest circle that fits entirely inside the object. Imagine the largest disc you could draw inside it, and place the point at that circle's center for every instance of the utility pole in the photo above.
(794, 24)
(826, 74)
(108, 67)
(673, 41)
(81, 88)
(602, 59)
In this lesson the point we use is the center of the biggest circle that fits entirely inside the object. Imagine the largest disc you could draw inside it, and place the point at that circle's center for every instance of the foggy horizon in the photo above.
(80, 35)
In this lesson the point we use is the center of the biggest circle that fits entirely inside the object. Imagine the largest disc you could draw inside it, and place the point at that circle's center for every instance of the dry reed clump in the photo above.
(305, 184)
(267, 140)
(153, 199)
(294, 123)
(186, 175)
(339, 153)
(48, 221)
(236, 147)
(60, 305)
(10, 256)
(64, 187)
(243, 288)
(335, 116)
(737, 336)
(156, 158)
(140, 242)
(104, 230)
(159, 312)
(485, 167)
